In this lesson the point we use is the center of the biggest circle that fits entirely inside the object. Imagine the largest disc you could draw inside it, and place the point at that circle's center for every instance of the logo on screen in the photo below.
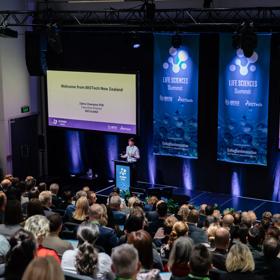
(244, 64)
(123, 172)
(176, 61)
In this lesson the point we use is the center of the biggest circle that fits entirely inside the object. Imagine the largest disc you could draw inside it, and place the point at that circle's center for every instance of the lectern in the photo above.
(124, 174)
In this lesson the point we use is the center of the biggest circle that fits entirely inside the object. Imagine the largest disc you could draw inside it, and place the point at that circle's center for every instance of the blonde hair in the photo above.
(45, 198)
(179, 229)
(184, 212)
(39, 226)
(82, 209)
(43, 268)
(170, 221)
(153, 200)
(132, 200)
(240, 258)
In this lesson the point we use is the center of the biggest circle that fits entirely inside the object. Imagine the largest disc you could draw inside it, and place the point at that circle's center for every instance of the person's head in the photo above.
(211, 233)
(162, 209)
(34, 193)
(153, 200)
(91, 196)
(273, 232)
(39, 226)
(67, 196)
(56, 223)
(45, 198)
(246, 219)
(222, 238)
(276, 220)
(3, 201)
(96, 211)
(180, 252)
(267, 215)
(132, 201)
(87, 232)
(168, 224)
(42, 187)
(142, 241)
(82, 209)
(6, 183)
(86, 189)
(22, 252)
(271, 248)
(135, 220)
(30, 183)
(193, 216)
(200, 261)
(265, 224)
(80, 194)
(115, 202)
(13, 213)
(240, 258)
(34, 207)
(209, 210)
(125, 261)
(131, 142)
(9, 177)
(237, 218)
(179, 229)
(228, 221)
(256, 235)
(54, 188)
(183, 212)
(252, 216)
(242, 233)
(43, 268)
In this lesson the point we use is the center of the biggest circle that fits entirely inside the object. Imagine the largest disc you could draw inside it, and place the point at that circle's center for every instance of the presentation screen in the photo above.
(93, 101)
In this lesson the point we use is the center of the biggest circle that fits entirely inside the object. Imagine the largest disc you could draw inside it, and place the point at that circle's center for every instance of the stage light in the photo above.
(207, 4)
(136, 46)
(176, 41)
(134, 41)
(246, 39)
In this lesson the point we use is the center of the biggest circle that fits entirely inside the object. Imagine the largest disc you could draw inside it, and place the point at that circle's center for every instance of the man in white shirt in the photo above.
(132, 152)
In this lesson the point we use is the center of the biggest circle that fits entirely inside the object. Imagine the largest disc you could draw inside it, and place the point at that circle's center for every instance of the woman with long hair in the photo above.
(81, 212)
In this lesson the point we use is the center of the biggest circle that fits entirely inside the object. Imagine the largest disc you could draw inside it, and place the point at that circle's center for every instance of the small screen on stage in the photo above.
(92, 101)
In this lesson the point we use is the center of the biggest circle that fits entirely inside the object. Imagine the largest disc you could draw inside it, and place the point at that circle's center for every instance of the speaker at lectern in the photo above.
(123, 175)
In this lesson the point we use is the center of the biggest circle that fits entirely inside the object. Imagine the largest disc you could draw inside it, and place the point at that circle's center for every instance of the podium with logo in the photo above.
(124, 174)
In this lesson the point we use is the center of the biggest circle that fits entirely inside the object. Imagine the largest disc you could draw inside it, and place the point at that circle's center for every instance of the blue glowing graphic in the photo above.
(235, 184)
(123, 177)
(187, 174)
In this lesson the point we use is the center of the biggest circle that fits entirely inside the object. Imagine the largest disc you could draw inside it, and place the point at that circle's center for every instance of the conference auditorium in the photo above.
(139, 140)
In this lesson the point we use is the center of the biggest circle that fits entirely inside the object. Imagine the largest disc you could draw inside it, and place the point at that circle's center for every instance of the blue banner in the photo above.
(243, 102)
(175, 96)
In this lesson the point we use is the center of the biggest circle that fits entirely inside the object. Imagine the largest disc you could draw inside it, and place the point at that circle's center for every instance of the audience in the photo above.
(73, 261)
(39, 226)
(43, 269)
(56, 200)
(45, 198)
(81, 212)
(70, 209)
(52, 240)
(34, 207)
(4, 249)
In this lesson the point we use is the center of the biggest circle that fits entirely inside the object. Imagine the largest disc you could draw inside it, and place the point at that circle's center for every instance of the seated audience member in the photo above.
(34, 207)
(12, 219)
(211, 232)
(239, 234)
(86, 189)
(228, 221)
(91, 196)
(158, 222)
(125, 261)
(240, 264)
(5, 184)
(178, 263)
(271, 251)
(3, 203)
(45, 198)
(107, 238)
(45, 268)
(119, 217)
(179, 229)
(42, 187)
(22, 252)
(4, 249)
(273, 232)
(151, 204)
(133, 202)
(134, 222)
(200, 263)
(276, 221)
(246, 219)
(222, 242)
(56, 199)
(87, 235)
(81, 212)
(198, 235)
(183, 213)
(71, 207)
(256, 236)
(67, 199)
(52, 240)
(149, 258)
(39, 226)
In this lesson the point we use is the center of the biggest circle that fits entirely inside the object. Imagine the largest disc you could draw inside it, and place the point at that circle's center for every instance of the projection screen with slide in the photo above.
(92, 101)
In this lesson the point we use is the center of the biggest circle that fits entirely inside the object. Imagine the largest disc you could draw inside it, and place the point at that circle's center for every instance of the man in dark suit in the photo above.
(119, 217)
(107, 238)
(219, 255)
(198, 235)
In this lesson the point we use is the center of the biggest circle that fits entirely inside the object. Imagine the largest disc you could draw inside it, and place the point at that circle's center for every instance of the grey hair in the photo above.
(54, 187)
(181, 251)
(38, 225)
(115, 200)
(125, 260)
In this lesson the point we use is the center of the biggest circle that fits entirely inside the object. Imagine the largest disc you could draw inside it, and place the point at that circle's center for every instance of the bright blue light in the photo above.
(187, 174)
(136, 46)
(235, 184)
(112, 152)
(276, 179)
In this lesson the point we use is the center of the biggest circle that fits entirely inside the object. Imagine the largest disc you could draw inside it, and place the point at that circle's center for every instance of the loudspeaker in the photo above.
(35, 53)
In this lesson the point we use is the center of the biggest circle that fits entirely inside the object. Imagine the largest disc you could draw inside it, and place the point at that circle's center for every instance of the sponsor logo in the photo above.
(165, 98)
(234, 103)
(253, 104)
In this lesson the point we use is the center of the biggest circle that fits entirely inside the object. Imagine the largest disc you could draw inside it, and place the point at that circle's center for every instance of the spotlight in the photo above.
(246, 39)
(176, 41)
(207, 4)
(135, 41)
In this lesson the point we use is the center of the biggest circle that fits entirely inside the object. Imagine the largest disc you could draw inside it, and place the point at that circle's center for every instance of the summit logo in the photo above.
(176, 61)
